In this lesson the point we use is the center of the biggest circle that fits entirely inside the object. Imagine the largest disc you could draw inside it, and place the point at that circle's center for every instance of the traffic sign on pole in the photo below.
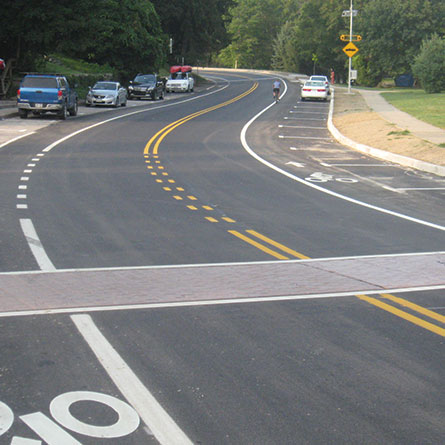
(353, 38)
(350, 49)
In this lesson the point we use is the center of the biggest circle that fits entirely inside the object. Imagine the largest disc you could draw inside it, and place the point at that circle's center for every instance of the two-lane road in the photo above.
(148, 295)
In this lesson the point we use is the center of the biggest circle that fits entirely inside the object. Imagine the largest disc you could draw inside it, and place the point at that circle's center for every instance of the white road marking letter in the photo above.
(127, 423)
(48, 430)
(6, 418)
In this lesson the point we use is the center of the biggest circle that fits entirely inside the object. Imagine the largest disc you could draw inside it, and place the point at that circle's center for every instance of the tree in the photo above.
(125, 34)
(197, 27)
(429, 65)
(253, 27)
(392, 34)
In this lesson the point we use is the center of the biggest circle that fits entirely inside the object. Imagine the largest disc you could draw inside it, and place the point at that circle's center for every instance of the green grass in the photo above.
(429, 108)
(56, 63)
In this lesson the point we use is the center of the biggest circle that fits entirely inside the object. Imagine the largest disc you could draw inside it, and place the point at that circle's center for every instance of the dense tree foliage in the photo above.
(197, 27)
(429, 64)
(304, 31)
(292, 35)
(393, 31)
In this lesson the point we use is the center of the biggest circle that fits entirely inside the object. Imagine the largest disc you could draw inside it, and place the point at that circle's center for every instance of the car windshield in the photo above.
(39, 82)
(105, 86)
(314, 84)
(146, 78)
(319, 78)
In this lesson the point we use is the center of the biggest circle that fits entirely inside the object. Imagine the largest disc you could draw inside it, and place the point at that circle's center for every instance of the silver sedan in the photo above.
(107, 93)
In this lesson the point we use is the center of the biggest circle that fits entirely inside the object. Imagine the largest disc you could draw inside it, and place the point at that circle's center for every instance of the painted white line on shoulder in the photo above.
(35, 245)
(322, 189)
(16, 139)
(151, 412)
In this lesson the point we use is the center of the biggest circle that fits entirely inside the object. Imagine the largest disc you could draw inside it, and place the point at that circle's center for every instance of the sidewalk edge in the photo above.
(377, 152)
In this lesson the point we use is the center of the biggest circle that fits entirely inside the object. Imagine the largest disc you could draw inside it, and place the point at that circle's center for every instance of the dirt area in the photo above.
(354, 119)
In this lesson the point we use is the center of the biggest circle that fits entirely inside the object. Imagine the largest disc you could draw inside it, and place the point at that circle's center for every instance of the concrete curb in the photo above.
(378, 153)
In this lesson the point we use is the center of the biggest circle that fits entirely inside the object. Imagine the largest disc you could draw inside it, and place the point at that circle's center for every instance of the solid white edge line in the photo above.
(246, 300)
(145, 110)
(16, 139)
(35, 245)
(151, 412)
(247, 263)
(321, 189)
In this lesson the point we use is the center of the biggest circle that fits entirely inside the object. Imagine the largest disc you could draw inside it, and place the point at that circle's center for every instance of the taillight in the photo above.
(306, 89)
(59, 94)
(18, 93)
(321, 90)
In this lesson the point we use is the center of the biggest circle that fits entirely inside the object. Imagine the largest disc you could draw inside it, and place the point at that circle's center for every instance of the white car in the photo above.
(314, 89)
(180, 82)
(323, 79)
(107, 93)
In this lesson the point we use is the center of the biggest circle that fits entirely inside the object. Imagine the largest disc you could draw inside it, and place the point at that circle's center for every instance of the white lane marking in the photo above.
(304, 137)
(145, 110)
(295, 164)
(247, 300)
(304, 119)
(322, 189)
(21, 206)
(357, 165)
(21, 196)
(128, 419)
(305, 112)
(209, 265)
(6, 418)
(16, 139)
(48, 430)
(151, 412)
(302, 127)
(421, 188)
(24, 178)
(35, 245)
(16, 440)
(23, 187)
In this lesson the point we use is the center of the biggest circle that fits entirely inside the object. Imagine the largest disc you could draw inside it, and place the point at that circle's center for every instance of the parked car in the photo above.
(322, 79)
(180, 80)
(146, 86)
(107, 93)
(314, 89)
(46, 93)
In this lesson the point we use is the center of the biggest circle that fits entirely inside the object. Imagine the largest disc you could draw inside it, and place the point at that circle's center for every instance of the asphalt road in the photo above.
(166, 215)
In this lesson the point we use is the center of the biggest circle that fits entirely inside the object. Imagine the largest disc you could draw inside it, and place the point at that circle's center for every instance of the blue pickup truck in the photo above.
(46, 93)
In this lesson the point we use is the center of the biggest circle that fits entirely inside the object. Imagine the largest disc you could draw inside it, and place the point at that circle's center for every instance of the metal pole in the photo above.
(350, 40)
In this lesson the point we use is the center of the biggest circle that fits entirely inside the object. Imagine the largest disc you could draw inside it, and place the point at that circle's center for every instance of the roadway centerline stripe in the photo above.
(161, 134)
(151, 412)
(415, 307)
(258, 245)
(280, 246)
(411, 318)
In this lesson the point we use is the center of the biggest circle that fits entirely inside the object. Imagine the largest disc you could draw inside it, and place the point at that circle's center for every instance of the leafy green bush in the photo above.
(429, 65)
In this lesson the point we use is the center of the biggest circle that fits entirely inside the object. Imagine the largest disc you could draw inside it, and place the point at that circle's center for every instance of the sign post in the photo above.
(350, 49)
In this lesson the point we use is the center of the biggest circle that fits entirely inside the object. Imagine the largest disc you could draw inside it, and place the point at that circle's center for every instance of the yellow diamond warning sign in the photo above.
(350, 49)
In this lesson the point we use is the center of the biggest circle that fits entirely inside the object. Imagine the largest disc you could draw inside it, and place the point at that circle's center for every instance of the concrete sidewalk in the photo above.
(403, 120)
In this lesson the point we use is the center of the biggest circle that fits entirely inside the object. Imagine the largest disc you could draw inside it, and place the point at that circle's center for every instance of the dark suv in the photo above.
(146, 86)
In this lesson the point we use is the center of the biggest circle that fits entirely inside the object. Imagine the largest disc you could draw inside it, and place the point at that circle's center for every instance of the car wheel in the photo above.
(62, 113)
(23, 114)
(73, 111)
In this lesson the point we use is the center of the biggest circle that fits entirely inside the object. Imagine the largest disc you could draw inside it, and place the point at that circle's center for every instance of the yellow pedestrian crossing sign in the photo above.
(350, 49)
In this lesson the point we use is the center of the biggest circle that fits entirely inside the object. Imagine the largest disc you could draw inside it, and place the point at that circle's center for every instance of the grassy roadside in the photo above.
(429, 108)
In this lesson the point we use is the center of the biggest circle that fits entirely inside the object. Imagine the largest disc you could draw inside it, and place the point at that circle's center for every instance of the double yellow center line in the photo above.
(161, 134)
